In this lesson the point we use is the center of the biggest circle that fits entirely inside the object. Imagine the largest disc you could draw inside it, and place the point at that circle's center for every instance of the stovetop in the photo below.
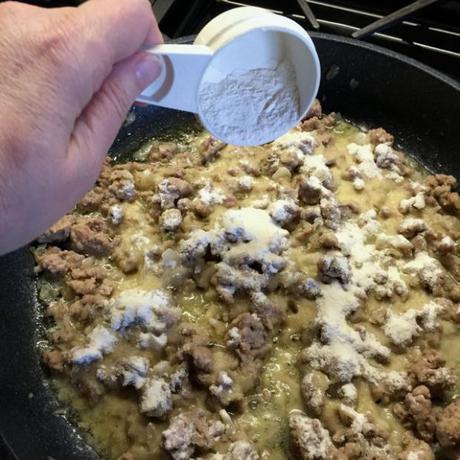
(431, 35)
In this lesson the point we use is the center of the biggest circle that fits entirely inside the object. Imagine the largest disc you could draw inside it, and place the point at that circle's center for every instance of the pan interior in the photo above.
(423, 126)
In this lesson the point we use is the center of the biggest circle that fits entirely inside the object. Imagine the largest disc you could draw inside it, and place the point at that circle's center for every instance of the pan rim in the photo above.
(364, 45)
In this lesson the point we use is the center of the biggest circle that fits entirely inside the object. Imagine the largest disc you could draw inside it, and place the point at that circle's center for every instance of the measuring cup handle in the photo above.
(182, 67)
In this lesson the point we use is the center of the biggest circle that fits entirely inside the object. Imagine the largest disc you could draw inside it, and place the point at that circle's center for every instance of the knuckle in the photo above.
(140, 3)
(148, 9)
(8, 8)
(143, 7)
(57, 38)
(146, 4)
(8, 13)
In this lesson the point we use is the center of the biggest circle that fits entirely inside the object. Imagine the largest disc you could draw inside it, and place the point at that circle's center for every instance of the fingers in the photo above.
(113, 30)
(101, 34)
(98, 125)
(122, 27)
(108, 74)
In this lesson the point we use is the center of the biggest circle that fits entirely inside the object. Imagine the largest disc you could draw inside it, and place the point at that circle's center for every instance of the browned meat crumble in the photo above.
(294, 300)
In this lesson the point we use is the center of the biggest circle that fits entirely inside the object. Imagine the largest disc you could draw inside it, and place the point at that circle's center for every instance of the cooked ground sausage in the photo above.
(448, 426)
(91, 236)
(291, 299)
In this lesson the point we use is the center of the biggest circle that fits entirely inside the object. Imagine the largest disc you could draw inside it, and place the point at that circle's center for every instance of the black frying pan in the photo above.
(367, 84)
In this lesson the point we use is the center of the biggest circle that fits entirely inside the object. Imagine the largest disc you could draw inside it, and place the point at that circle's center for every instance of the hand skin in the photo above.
(67, 79)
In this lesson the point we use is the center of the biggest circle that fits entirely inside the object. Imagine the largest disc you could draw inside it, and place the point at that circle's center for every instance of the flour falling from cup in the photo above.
(251, 107)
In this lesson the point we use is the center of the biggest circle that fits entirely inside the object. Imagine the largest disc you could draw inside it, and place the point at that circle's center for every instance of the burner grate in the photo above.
(431, 35)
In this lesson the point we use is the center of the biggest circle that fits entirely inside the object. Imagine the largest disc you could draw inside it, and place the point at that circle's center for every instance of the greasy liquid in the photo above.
(115, 425)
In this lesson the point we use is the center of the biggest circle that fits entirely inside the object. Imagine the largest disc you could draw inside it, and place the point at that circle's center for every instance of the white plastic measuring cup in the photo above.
(240, 39)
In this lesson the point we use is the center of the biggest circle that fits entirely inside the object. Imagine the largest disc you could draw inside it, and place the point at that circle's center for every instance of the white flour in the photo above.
(251, 107)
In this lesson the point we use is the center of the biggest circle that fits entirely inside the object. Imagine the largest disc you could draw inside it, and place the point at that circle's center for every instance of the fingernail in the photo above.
(148, 68)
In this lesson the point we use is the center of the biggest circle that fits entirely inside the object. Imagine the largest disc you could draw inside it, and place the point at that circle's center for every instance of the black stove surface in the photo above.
(5, 453)
(431, 35)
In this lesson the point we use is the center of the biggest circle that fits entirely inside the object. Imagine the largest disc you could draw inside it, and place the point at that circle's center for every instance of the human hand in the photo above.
(67, 79)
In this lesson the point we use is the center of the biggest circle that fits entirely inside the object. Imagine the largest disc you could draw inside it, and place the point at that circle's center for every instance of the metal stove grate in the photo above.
(431, 35)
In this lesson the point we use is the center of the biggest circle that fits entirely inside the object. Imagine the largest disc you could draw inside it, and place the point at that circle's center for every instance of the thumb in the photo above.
(98, 125)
